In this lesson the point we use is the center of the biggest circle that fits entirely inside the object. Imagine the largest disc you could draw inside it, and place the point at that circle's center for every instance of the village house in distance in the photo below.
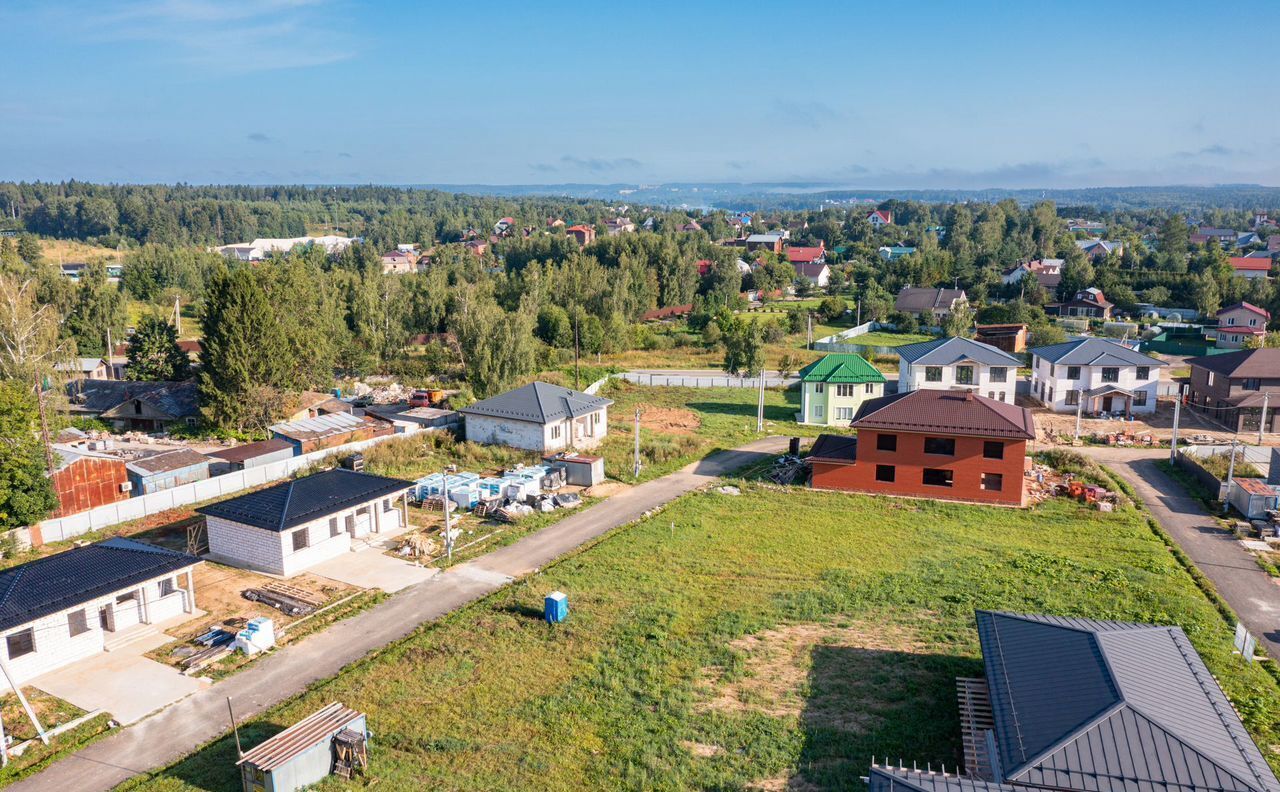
(833, 387)
(539, 417)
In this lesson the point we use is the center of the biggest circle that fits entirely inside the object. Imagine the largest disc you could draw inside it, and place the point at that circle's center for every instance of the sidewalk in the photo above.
(171, 734)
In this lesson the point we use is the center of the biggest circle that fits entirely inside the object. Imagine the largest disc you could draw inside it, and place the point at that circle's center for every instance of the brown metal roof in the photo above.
(166, 461)
(241, 453)
(946, 412)
(1245, 363)
(301, 736)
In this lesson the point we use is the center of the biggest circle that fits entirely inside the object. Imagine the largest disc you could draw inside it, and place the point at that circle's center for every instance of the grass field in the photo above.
(679, 425)
(60, 251)
(769, 640)
(879, 338)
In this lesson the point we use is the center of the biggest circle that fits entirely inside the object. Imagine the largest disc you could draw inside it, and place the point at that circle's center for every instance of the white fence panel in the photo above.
(62, 528)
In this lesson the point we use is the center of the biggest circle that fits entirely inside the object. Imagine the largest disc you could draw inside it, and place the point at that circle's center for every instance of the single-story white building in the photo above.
(72, 605)
(539, 417)
(285, 529)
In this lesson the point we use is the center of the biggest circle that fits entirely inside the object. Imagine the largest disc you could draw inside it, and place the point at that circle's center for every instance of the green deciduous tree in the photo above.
(26, 494)
(154, 353)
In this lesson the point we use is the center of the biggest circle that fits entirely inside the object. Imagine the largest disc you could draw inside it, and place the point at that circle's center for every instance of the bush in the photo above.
(1219, 464)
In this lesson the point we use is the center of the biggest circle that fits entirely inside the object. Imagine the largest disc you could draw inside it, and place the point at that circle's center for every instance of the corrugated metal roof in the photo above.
(945, 412)
(175, 399)
(319, 727)
(840, 367)
(293, 503)
(901, 779)
(1245, 363)
(840, 448)
(1094, 352)
(67, 579)
(166, 461)
(538, 402)
(319, 427)
(946, 351)
(1112, 707)
(246, 451)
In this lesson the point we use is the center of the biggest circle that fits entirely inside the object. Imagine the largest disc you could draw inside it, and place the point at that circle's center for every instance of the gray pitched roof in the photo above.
(1094, 352)
(538, 402)
(175, 399)
(945, 351)
(1111, 707)
(915, 300)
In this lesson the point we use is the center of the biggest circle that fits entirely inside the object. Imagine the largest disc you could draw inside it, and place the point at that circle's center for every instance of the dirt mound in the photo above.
(671, 420)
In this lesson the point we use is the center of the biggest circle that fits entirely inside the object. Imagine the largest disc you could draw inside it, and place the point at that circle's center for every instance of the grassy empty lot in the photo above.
(763, 640)
(679, 425)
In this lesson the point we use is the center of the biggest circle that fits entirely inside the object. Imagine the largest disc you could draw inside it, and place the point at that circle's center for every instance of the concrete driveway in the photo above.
(371, 568)
(122, 682)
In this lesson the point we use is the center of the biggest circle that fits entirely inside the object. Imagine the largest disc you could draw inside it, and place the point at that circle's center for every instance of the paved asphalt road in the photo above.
(172, 733)
(1252, 594)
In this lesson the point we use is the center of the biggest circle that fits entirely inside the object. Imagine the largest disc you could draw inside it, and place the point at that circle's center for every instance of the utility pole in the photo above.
(809, 342)
(577, 385)
(636, 469)
(44, 428)
(859, 322)
(1177, 414)
(760, 404)
(110, 351)
(448, 523)
(1231, 472)
(1079, 411)
(177, 314)
(1262, 419)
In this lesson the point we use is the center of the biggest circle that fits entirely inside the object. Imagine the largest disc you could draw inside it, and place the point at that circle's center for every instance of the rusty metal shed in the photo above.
(302, 754)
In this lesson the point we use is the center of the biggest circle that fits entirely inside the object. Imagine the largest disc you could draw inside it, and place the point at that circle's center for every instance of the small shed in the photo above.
(166, 470)
(305, 753)
(251, 455)
(1254, 497)
(579, 469)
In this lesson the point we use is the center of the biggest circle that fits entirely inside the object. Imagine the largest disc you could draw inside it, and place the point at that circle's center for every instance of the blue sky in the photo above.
(883, 94)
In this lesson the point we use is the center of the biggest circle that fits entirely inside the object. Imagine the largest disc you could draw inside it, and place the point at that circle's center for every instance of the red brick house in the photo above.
(935, 444)
(585, 234)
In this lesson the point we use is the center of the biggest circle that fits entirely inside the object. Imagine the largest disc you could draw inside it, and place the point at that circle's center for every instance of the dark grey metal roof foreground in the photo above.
(67, 579)
(538, 402)
(1111, 707)
(945, 351)
(303, 500)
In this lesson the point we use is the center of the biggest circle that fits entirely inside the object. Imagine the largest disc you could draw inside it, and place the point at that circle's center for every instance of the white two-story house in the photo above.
(958, 364)
(1101, 375)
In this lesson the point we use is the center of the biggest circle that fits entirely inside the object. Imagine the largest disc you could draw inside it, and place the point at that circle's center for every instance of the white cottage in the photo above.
(958, 364)
(287, 528)
(72, 605)
(539, 417)
(1106, 376)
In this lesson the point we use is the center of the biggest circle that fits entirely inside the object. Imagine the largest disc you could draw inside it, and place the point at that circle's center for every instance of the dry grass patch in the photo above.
(824, 674)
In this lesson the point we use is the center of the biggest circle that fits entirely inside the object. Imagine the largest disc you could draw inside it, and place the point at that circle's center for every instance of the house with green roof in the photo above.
(833, 387)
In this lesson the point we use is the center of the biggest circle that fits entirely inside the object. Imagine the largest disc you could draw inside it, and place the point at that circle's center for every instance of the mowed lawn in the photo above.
(749, 641)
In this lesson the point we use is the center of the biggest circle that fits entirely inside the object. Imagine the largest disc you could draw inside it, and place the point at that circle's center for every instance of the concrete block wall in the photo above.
(246, 545)
(502, 431)
(55, 647)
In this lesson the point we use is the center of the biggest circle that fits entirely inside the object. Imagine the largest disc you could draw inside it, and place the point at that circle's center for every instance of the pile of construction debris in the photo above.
(381, 392)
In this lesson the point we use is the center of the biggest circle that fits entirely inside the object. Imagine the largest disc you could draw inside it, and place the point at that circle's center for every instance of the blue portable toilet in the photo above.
(555, 607)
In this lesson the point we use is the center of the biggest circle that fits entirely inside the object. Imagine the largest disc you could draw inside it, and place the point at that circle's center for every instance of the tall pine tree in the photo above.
(243, 356)
(154, 353)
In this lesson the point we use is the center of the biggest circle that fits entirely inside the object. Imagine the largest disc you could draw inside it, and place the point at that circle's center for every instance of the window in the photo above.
(964, 375)
(819, 411)
(850, 389)
(77, 622)
(167, 587)
(1209, 381)
(1073, 398)
(1252, 322)
(844, 413)
(933, 373)
(1231, 320)
(300, 540)
(20, 643)
(993, 449)
(1002, 394)
(555, 432)
(1144, 372)
(1053, 369)
(1073, 372)
(333, 527)
(1139, 398)
(943, 446)
(993, 481)
(1110, 374)
(998, 374)
(123, 598)
(885, 473)
(1252, 383)
(137, 407)
(818, 387)
(351, 524)
(869, 388)
(886, 442)
(935, 477)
